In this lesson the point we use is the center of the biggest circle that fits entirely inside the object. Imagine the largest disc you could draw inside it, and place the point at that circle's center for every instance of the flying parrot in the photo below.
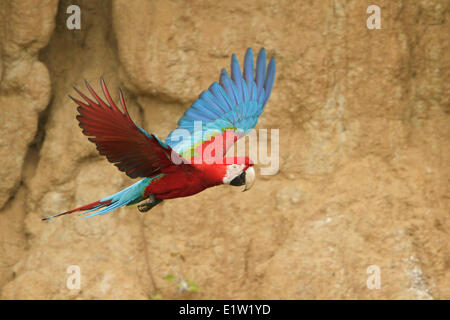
(225, 112)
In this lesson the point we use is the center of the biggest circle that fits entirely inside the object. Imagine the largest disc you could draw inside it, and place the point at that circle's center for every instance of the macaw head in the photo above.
(239, 173)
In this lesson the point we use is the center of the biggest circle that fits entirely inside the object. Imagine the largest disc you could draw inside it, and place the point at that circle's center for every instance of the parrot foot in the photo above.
(146, 206)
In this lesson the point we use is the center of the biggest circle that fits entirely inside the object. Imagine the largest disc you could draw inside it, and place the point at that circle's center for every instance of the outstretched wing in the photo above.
(117, 137)
(228, 110)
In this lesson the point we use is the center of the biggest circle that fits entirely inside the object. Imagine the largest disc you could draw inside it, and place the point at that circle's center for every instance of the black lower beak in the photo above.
(239, 180)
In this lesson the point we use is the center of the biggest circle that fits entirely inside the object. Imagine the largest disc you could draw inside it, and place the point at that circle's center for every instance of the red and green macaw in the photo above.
(225, 112)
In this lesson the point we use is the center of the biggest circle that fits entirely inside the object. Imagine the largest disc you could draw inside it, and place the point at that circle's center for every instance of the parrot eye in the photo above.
(239, 180)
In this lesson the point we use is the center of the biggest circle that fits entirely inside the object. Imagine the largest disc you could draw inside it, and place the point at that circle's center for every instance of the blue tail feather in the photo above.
(130, 195)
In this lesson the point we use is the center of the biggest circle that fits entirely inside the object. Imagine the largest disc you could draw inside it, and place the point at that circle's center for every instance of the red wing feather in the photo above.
(118, 138)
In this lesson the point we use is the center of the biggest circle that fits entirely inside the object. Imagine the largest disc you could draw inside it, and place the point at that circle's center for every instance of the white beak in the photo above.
(250, 178)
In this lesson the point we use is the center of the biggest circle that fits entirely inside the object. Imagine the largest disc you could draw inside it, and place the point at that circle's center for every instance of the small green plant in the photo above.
(169, 277)
(182, 284)
(172, 281)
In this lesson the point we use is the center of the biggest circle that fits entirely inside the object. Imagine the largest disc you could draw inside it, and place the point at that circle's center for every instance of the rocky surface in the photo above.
(364, 152)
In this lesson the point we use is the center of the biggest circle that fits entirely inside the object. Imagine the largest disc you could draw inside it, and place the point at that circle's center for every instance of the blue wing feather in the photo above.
(199, 115)
(248, 70)
(226, 83)
(221, 95)
(260, 71)
(208, 98)
(233, 103)
(236, 74)
(202, 106)
(269, 80)
(217, 96)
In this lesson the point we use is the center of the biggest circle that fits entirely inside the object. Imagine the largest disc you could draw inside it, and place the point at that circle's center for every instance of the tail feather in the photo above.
(91, 206)
(130, 195)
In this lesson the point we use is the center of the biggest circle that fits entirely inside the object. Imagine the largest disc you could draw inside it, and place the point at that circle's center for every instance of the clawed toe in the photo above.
(146, 206)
